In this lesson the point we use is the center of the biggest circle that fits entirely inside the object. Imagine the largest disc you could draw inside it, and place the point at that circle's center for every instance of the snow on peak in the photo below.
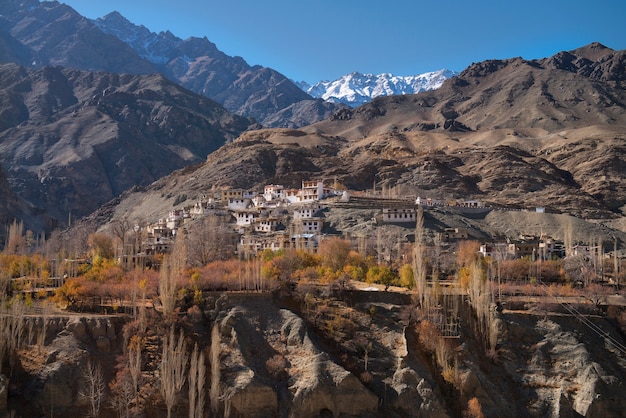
(355, 89)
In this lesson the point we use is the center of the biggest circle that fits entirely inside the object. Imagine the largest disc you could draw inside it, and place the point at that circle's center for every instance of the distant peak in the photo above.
(114, 15)
(594, 51)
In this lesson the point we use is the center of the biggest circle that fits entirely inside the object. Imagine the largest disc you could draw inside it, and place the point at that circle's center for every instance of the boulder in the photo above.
(323, 386)
(97, 328)
(250, 398)
(57, 382)
(76, 326)
(415, 397)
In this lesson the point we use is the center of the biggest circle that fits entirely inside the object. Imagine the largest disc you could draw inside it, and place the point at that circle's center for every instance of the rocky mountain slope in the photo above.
(72, 140)
(199, 65)
(53, 34)
(356, 89)
(37, 34)
(518, 133)
(360, 353)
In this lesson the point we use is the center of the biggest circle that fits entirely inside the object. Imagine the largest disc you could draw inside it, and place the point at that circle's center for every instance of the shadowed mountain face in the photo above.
(54, 34)
(199, 65)
(36, 35)
(72, 140)
(549, 133)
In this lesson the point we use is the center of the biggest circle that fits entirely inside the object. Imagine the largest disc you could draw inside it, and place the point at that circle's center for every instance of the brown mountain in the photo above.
(547, 133)
(37, 34)
(197, 64)
(55, 35)
(72, 140)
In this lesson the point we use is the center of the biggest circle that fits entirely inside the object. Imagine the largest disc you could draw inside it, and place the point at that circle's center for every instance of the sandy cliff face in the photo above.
(364, 354)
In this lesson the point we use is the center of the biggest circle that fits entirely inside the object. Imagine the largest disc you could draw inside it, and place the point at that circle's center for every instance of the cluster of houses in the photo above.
(277, 218)
(282, 218)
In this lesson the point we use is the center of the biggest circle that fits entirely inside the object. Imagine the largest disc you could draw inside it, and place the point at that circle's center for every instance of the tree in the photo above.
(407, 277)
(134, 363)
(209, 240)
(93, 387)
(16, 243)
(171, 272)
(122, 393)
(197, 380)
(474, 410)
(101, 245)
(173, 367)
(334, 252)
(419, 265)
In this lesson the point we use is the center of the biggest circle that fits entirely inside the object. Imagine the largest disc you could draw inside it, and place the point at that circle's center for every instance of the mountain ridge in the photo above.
(71, 140)
(53, 34)
(197, 64)
(511, 133)
(356, 89)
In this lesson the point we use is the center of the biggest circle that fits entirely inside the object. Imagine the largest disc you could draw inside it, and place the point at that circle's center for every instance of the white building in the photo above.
(273, 192)
(238, 203)
(399, 215)
(305, 212)
(266, 224)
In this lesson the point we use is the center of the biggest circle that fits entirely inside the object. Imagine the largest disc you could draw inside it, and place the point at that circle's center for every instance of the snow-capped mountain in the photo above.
(356, 89)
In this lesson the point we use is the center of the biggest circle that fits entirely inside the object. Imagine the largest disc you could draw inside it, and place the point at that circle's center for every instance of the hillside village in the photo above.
(282, 218)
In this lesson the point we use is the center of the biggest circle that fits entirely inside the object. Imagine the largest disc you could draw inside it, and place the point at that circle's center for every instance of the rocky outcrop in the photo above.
(278, 370)
(56, 368)
(72, 140)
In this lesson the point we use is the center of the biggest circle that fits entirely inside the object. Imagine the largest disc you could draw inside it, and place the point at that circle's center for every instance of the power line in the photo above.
(583, 318)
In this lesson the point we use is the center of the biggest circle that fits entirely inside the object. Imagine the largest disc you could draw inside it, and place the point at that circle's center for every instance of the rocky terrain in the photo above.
(358, 353)
(37, 34)
(72, 140)
(515, 134)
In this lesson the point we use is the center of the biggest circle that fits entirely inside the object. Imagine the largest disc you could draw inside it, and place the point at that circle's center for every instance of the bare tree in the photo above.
(173, 368)
(16, 243)
(210, 240)
(93, 387)
(121, 393)
(197, 380)
(15, 328)
(419, 267)
(41, 335)
(216, 372)
(134, 363)
(171, 271)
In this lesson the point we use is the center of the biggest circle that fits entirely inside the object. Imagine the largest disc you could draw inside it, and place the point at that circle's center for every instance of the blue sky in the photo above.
(324, 39)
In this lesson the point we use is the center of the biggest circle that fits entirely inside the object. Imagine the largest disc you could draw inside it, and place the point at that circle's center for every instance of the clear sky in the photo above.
(313, 40)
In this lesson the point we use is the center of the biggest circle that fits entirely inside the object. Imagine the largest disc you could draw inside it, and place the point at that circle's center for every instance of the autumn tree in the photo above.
(171, 271)
(474, 409)
(173, 368)
(407, 277)
(334, 252)
(101, 245)
(197, 381)
(135, 346)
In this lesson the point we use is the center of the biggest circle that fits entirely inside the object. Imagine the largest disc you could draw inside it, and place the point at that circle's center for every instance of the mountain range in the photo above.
(50, 33)
(356, 89)
(515, 133)
(103, 111)
(72, 140)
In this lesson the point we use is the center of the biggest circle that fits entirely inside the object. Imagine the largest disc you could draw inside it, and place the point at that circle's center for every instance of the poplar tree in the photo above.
(173, 368)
